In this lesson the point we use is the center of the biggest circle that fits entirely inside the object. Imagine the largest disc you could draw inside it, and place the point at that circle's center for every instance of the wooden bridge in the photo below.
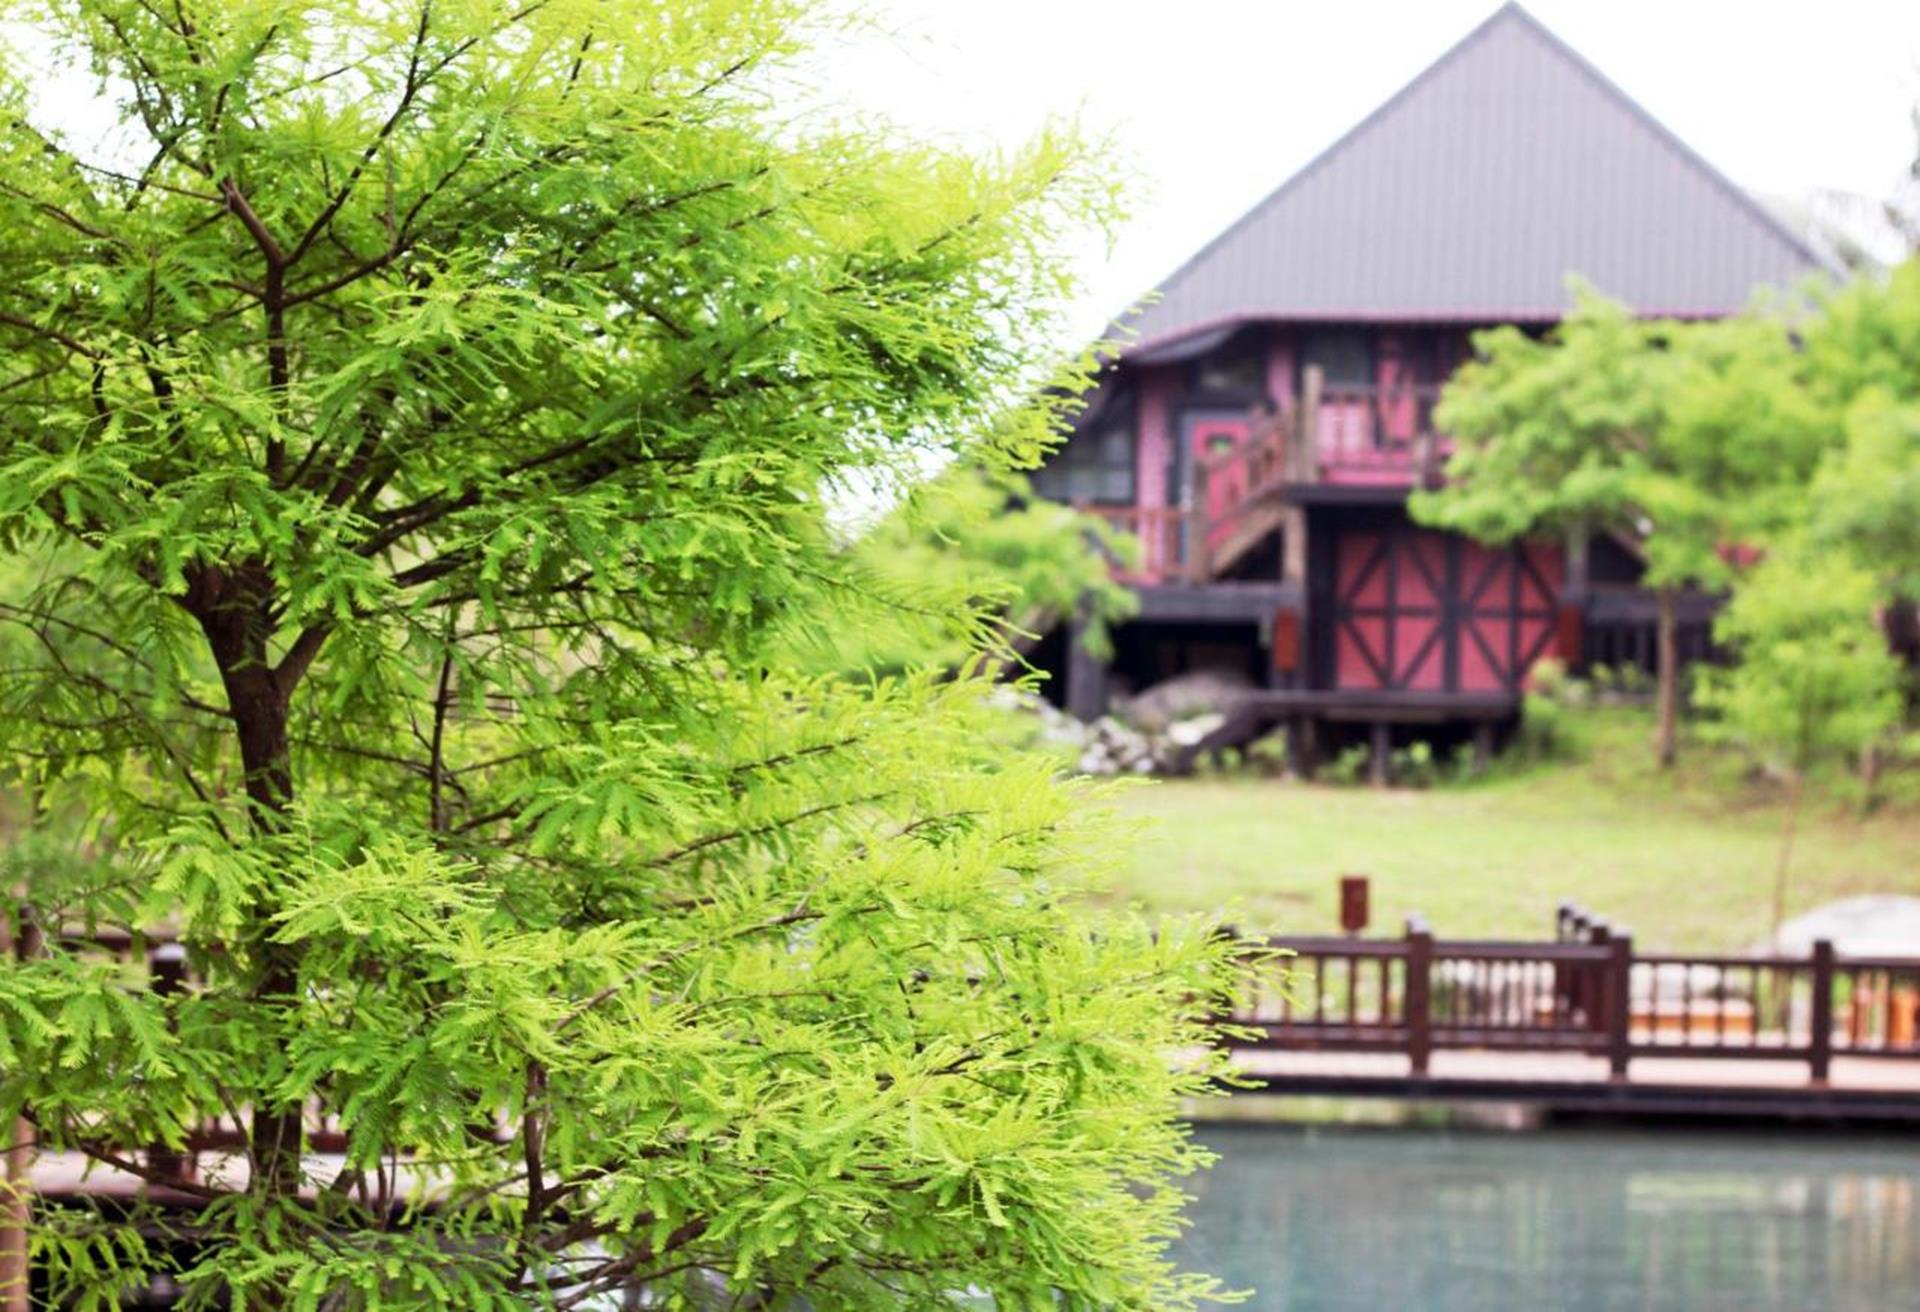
(1585, 1022)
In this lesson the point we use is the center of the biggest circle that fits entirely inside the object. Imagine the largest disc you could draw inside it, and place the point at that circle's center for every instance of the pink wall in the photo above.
(1154, 451)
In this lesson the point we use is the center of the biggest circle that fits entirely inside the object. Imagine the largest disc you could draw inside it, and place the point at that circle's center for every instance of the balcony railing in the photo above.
(1339, 436)
(1163, 533)
(1374, 435)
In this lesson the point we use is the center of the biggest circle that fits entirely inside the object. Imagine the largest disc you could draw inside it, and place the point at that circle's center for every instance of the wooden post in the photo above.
(1301, 749)
(1419, 995)
(1354, 899)
(1565, 916)
(1306, 444)
(1380, 762)
(1199, 562)
(1820, 1014)
(1620, 1006)
(1563, 932)
(1482, 746)
(1086, 674)
(1593, 984)
(1293, 546)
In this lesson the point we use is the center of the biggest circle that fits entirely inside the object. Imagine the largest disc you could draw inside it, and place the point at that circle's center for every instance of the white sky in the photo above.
(1213, 103)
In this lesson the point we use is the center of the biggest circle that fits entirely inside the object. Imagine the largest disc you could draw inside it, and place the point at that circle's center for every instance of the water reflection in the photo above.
(1420, 1221)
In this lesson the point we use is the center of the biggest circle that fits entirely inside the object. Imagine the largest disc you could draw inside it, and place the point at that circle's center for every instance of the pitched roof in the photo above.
(1473, 193)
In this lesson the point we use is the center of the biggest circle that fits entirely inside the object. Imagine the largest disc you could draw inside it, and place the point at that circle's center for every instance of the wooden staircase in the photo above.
(1251, 481)
(1235, 499)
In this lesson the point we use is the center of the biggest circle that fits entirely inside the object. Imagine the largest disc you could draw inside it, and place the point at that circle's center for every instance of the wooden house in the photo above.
(1261, 430)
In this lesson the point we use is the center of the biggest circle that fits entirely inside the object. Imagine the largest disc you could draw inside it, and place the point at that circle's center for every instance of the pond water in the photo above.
(1327, 1220)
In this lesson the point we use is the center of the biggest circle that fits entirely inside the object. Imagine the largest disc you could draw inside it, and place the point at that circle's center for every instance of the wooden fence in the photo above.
(1586, 991)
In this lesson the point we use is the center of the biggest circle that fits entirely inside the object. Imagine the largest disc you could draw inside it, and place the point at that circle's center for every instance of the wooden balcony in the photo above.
(1374, 437)
(1353, 438)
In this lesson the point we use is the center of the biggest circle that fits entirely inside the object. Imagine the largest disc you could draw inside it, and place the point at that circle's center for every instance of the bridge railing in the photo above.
(1585, 991)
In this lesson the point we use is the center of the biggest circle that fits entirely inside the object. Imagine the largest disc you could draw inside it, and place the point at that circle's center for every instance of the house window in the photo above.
(1094, 465)
(1237, 367)
(1345, 357)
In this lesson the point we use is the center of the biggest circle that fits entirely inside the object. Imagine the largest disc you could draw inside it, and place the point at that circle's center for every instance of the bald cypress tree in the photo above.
(416, 438)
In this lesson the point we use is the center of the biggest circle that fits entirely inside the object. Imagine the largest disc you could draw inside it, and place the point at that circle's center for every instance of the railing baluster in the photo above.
(1720, 1010)
(1653, 1004)
(1686, 1005)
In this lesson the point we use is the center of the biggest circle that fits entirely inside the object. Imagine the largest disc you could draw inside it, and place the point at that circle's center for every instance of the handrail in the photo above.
(1323, 434)
(1586, 989)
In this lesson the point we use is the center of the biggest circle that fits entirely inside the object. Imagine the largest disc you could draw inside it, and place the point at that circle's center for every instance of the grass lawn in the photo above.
(1683, 860)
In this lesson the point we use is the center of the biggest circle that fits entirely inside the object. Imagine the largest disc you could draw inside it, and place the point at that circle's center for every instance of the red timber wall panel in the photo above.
(1420, 611)
(1153, 456)
(1508, 603)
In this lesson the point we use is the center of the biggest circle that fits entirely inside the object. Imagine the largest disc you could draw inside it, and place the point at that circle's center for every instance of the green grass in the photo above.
(1685, 860)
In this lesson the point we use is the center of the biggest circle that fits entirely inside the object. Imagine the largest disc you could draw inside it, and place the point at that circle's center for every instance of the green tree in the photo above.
(1680, 440)
(418, 425)
(1863, 368)
(974, 545)
(1814, 678)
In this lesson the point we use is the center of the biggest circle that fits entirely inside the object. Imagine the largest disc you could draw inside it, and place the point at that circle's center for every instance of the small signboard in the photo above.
(1353, 903)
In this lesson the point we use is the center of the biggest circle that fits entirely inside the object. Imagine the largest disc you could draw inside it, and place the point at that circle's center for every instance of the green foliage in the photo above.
(1684, 439)
(1542, 735)
(1551, 433)
(1866, 500)
(416, 443)
(1350, 766)
(975, 543)
(1863, 365)
(1814, 677)
(1681, 438)
(1415, 765)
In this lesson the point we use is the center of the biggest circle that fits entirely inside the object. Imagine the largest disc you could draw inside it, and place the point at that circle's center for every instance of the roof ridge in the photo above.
(1673, 140)
(1339, 143)
(1513, 14)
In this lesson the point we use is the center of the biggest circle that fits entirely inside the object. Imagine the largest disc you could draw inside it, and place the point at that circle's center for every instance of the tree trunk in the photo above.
(234, 610)
(1781, 864)
(1667, 669)
(1869, 777)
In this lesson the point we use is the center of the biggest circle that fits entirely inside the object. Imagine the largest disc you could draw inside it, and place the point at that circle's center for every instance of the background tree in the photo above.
(1680, 440)
(1862, 368)
(974, 545)
(417, 427)
(1813, 676)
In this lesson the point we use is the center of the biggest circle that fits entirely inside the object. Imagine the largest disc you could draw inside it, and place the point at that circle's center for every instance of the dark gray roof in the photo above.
(1472, 194)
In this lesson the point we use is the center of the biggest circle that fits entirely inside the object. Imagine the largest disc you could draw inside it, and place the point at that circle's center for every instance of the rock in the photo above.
(1875, 925)
(1182, 711)
(1198, 692)
(1188, 733)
